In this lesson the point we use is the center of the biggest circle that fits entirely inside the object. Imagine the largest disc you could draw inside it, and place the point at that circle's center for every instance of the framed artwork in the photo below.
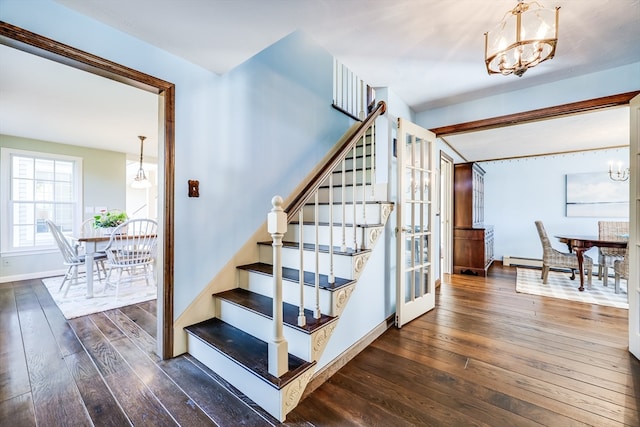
(596, 195)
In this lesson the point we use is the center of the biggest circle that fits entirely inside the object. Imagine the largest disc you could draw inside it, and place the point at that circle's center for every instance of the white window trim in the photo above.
(5, 191)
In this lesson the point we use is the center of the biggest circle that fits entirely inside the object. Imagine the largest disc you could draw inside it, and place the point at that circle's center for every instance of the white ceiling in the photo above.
(430, 52)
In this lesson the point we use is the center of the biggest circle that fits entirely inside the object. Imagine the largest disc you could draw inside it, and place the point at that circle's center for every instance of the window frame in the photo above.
(6, 216)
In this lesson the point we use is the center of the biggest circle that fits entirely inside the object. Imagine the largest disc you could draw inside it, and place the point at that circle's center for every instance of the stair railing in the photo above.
(351, 94)
(278, 219)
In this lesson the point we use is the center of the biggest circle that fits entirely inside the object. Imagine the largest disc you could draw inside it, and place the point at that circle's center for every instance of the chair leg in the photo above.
(545, 274)
(605, 275)
(66, 277)
(74, 279)
(617, 282)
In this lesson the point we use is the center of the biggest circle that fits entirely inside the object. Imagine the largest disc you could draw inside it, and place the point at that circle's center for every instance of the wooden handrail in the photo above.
(314, 184)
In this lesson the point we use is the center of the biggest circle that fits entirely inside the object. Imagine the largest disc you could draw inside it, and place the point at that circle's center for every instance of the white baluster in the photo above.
(355, 204)
(316, 313)
(373, 161)
(336, 85)
(364, 178)
(361, 108)
(344, 192)
(302, 320)
(332, 278)
(278, 347)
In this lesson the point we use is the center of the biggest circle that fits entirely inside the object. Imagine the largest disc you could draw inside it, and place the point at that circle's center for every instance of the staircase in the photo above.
(333, 227)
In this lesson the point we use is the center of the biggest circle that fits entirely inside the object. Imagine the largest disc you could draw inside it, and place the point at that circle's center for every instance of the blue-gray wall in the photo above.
(234, 133)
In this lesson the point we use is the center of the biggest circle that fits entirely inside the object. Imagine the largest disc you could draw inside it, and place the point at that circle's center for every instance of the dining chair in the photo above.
(621, 270)
(71, 257)
(610, 230)
(552, 257)
(132, 248)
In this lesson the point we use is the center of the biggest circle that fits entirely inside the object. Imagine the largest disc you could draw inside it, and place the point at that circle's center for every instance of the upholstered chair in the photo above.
(553, 258)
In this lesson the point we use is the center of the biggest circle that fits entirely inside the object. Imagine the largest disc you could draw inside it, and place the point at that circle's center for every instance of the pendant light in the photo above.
(141, 181)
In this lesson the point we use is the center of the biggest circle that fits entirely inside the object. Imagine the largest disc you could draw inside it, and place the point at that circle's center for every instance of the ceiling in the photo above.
(430, 52)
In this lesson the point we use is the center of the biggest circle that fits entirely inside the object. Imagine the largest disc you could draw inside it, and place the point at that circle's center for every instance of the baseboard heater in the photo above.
(521, 262)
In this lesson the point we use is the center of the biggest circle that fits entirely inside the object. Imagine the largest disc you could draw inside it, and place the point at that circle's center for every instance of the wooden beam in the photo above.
(534, 115)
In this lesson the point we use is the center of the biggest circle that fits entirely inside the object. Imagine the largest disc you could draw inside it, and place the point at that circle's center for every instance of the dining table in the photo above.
(580, 244)
(92, 244)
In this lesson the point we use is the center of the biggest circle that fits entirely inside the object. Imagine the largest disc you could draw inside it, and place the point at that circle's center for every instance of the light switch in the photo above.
(194, 188)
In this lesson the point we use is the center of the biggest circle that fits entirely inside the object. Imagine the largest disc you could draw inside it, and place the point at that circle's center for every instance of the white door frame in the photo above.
(633, 282)
(446, 214)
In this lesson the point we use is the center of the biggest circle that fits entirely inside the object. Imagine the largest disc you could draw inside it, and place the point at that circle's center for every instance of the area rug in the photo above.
(77, 304)
(561, 286)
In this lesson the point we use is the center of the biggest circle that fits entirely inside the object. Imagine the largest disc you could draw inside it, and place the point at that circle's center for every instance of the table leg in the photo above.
(580, 256)
(88, 261)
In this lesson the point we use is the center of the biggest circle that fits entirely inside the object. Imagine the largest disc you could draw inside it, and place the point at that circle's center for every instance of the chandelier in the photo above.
(527, 36)
(620, 174)
(141, 181)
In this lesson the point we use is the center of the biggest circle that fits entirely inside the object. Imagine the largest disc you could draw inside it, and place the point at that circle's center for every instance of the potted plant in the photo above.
(108, 220)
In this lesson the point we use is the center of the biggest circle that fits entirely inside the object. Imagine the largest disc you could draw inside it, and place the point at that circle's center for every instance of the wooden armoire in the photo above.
(472, 239)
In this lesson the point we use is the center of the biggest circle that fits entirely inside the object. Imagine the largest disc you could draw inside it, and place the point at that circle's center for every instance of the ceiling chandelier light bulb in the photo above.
(507, 50)
(140, 180)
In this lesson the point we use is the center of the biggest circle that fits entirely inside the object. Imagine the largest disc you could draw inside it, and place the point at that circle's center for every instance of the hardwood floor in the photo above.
(486, 356)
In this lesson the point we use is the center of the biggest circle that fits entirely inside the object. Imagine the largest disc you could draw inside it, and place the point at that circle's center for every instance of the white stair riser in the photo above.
(342, 264)
(266, 396)
(337, 177)
(309, 234)
(366, 193)
(348, 163)
(261, 327)
(263, 284)
(372, 214)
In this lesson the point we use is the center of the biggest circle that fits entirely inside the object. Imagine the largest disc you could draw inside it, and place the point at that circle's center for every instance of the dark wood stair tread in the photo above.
(337, 250)
(337, 224)
(339, 203)
(263, 305)
(248, 351)
(293, 276)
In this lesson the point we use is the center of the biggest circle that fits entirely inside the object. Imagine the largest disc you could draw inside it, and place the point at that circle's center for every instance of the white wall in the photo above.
(521, 191)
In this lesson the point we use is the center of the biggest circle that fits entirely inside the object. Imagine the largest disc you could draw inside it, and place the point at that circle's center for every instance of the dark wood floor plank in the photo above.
(102, 406)
(144, 319)
(181, 406)
(579, 370)
(62, 332)
(485, 356)
(14, 376)
(17, 411)
(452, 390)
(544, 345)
(140, 405)
(211, 396)
(150, 307)
(55, 395)
(551, 397)
(418, 405)
(134, 332)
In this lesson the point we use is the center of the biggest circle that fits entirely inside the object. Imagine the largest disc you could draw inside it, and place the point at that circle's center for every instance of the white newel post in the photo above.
(278, 348)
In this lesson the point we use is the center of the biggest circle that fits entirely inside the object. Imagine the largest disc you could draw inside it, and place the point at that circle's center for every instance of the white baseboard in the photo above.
(29, 276)
(521, 262)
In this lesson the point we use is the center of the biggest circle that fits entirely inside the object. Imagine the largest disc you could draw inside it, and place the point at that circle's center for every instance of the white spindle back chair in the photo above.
(132, 248)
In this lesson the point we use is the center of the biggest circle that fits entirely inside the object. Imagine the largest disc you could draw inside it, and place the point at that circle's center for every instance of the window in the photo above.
(36, 187)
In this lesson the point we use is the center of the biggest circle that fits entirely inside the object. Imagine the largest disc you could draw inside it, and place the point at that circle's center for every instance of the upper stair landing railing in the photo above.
(351, 94)
(358, 149)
